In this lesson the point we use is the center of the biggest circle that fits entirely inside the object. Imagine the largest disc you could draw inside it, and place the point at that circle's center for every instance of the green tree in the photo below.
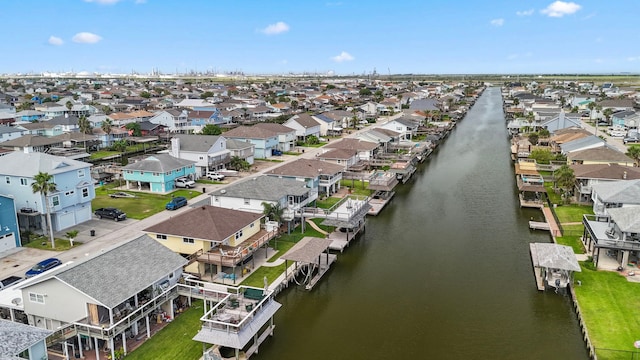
(120, 145)
(107, 127)
(206, 94)
(634, 153)
(145, 94)
(211, 129)
(544, 133)
(541, 156)
(294, 104)
(69, 105)
(312, 140)
(84, 124)
(607, 114)
(43, 184)
(272, 211)
(239, 164)
(566, 179)
(364, 92)
(71, 235)
(134, 127)
(533, 138)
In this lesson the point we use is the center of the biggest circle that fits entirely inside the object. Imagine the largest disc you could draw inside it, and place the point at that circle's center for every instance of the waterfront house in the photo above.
(304, 125)
(20, 341)
(589, 175)
(9, 229)
(317, 174)
(265, 140)
(69, 205)
(405, 126)
(209, 152)
(241, 149)
(366, 150)
(111, 296)
(615, 194)
(220, 242)
(344, 157)
(599, 155)
(157, 173)
(584, 143)
(612, 237)
(562, 121)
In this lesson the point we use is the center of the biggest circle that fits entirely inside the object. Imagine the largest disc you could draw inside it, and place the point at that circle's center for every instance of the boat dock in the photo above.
(537, 225)
(379, 200)
(536, 272)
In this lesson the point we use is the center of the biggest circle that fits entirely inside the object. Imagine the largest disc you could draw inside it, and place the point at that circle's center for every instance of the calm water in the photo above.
(442, 273)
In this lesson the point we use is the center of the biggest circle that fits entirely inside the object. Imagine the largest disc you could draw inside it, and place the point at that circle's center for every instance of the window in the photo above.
(247, 201)
(24, 182)
(216, 199)
(161, 236)
(36, 298)
(69, 193)
(156, 174)
(7, 179)
(238, 234)
(81, 173)
(55, 200)
(251, 225)
(188, 241)
(85, 192)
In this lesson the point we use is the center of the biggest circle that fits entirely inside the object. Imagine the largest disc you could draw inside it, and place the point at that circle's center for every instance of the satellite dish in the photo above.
(16, 301)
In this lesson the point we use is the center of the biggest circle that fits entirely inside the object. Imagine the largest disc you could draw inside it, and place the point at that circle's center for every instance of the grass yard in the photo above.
(551, 194)
(142, 205)
(573, 241)
(44, 243)
(610, 307)
(572, 213)
(174, 341)
(327, 203)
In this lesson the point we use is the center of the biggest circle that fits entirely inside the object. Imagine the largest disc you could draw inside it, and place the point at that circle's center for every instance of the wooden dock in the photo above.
(537, 225)
(536, 270)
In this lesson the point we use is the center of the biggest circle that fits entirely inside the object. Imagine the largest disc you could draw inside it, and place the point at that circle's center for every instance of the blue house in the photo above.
(264, 140)
(70, 204)
(9, 231)
(158, 173)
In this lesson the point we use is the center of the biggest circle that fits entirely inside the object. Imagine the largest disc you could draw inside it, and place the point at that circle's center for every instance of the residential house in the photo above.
(66, 123)
(566, 135)
(193, 103)
(628, 119)
(9, 228)
(20, 341)
(157, 173)
(588, 175)
(304, 125)
(107, 139)
(209, 152)
(286, 135)
(344, 157)
(51, 110)
(288, 194)
(328, 125)
(562, 121)
(29, 115)
(11, 132)
(69, 205)
(584, 143)
(599, 155)
(366, 150)
(174, 120)
(147, 128)
(316, 174)
(264, 139)
(221, 240)
(197, 119)
(405, 126)
(615, 194)
(106, 297)
(241, 149)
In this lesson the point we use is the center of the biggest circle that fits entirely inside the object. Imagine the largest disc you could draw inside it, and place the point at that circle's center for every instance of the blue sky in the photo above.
(341, 36)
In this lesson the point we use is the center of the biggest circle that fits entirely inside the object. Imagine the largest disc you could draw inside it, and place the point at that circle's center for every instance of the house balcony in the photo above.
(214, 161)
(584, 189)
(605, 234)
(231, 256)
(382, 180)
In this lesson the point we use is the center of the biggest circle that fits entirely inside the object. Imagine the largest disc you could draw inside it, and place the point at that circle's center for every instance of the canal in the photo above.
(442, 273)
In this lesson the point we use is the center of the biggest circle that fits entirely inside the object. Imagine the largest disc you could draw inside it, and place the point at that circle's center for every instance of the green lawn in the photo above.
(573, 241)
(357, 187)
(611, 310)
(551, 194)
(174, 341)
(140, 207)
(572, 213)
(44, 243)
(327, 203)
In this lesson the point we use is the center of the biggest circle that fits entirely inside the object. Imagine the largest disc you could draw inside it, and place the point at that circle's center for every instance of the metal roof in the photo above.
(554, 256)
(307, 249)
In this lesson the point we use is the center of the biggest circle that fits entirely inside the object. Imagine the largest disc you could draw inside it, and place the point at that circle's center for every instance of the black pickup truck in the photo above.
(110, 213)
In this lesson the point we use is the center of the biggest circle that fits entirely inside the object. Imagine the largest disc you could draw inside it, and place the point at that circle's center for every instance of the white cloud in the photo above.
(633, 58)
(277, 28)
(560, 9)
(54, 40)
(344, 56)
(86, 38)
(525, 12)
(497, 22)
(103, 2)
(589, 16)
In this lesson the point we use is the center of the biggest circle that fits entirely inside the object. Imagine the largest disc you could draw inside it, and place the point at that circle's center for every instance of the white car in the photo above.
(215, 176)
(184, 183)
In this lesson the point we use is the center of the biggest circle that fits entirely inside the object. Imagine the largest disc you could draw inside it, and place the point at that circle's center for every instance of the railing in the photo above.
(216, 255)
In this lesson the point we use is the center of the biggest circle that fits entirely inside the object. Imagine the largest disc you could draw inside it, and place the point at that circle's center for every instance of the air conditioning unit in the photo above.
(271, 225)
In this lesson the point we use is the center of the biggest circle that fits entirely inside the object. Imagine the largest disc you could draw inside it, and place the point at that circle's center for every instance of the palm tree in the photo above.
(72, 234)
(634, 153)
(106, 127)
(84, 124)
(43, 184)
(272, 211)
(565, 179)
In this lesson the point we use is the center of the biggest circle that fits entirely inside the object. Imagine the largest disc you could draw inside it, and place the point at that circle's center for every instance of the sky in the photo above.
(341, 37)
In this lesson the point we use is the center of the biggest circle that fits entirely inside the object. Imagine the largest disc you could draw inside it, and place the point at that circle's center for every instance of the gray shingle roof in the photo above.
(626, 218)
(198, 143)
(306, 168)
(116, 275)
(602, 153)
(17, 337)
(268, 188)
(160, 163)
(620, 192)
(554, 256)
(18, 163)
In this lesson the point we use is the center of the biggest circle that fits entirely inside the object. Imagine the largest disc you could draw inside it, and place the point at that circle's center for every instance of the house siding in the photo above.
(62, 303)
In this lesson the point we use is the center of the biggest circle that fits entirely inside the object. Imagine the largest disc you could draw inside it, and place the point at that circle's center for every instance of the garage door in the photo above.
(7, 242)
(65, 221)
(83, 214)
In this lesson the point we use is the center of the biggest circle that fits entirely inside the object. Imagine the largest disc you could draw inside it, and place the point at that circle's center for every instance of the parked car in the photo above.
(276, 152)
(6, 282)
(214, 175)
(176, 203)
(183, 182)
(110, 213)
(43, 266)
(630, 140)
